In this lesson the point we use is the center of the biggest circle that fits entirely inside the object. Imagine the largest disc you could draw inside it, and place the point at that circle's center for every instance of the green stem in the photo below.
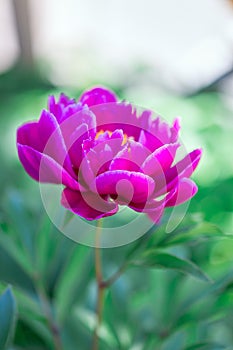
(100, 288)
(102, 285)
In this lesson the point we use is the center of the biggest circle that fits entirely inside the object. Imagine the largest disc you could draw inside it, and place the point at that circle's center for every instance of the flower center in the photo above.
(125, 139)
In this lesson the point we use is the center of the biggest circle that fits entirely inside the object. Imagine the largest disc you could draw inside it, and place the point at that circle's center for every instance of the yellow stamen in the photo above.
(126, 138)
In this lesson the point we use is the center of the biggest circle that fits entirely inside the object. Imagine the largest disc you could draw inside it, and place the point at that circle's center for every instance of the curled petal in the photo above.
(130, 157)
(45, 136)
(28, 134)
(184, 191)
(88, 205)
(160, 160)
(99, 158)
(182, 169)
(127, 186)
(43, 168)
(75, 144)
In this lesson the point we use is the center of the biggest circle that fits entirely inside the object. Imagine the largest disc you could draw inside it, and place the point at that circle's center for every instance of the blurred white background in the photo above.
(184, 43)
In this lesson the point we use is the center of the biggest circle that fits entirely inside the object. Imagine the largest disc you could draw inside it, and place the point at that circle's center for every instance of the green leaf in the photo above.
(200, 232)
(206, 346)
(7, 318)
(15, 251)
(73, 281)
(20, 220)
(12, 273)
(88, 319)
(168, 261)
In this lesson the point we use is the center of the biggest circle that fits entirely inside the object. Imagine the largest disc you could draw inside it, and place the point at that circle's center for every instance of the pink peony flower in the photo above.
(107, 154)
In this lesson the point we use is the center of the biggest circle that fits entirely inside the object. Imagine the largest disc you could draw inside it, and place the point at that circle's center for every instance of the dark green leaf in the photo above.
(88, 319)
(200, 232)
(11, 272)
(15, 251)
(206, 346)
(73, 281)
(7, 318)
(168, 261)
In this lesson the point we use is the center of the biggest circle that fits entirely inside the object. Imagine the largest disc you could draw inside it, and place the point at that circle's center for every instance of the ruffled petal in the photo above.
(117, 116)
(87, 205)
(157, 133)
(61, 108)
(175, 129)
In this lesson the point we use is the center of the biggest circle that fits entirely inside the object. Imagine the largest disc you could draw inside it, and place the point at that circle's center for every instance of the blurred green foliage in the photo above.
(177, 289)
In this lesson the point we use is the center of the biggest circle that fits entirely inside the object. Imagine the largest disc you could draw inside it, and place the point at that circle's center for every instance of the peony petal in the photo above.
(44, 169)
(85, 173)
(117, 116)
(58, 108)
(87, 205)
(130, 157)
(97, 96)
(175, 129)
(160, 160)
(157, 133)
(99, 158)
(156, 215)
(148, 206)
(75, 144)
(84, 116)
(184, 191)
(128, 186)
(45, 136)
(52, 138)
(28, 134)
(182, 169)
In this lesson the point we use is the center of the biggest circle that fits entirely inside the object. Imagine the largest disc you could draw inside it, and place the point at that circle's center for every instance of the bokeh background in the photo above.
(175, 57)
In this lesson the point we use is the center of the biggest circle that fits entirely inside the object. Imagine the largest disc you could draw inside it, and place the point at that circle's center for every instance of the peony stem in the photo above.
(100, 287)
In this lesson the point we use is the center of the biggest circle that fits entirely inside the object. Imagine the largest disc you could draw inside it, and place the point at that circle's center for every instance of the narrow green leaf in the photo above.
(168, 261)
(200, 232)
(19, 219)
(15, 252)
(7, 318)
(88, 319)
(73, 281)
(11, 272)
(206, 346)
